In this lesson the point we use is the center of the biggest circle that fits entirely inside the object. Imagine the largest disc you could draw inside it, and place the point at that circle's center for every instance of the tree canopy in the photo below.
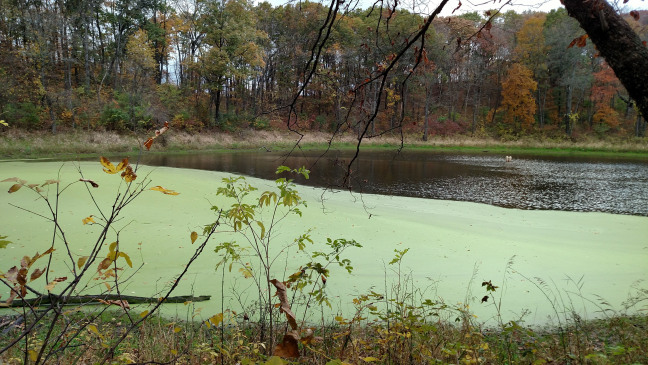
(315, 66)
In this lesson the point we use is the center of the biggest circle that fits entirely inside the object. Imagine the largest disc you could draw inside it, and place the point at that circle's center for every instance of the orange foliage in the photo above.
(606, 85)
(606, 115)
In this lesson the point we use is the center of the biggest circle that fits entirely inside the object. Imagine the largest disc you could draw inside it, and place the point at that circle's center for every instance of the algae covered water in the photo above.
(453, 246)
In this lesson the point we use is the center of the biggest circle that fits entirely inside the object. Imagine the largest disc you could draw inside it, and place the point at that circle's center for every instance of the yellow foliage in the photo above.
(517, 98)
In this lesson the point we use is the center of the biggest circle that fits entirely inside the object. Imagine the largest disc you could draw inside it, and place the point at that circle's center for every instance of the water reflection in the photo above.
(528, 182)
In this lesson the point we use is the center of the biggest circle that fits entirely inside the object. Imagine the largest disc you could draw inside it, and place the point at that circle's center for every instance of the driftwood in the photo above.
(101, 299)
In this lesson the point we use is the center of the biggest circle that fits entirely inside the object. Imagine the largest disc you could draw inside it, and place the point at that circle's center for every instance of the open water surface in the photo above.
(528, 182)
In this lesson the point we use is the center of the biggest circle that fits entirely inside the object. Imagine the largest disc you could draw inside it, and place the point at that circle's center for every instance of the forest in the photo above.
(228, 65)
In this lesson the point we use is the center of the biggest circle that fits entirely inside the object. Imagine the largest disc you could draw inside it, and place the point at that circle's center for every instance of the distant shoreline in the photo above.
(16, 145)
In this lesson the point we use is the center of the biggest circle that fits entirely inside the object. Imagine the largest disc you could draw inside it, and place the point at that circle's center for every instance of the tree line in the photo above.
(205, 64)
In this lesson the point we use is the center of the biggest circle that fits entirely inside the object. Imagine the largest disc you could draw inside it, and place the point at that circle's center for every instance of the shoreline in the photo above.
(20, 145)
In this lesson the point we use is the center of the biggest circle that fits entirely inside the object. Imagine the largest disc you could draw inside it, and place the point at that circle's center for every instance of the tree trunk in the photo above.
(428, 93)
(618, 44)
(640, 126)
(217, 100)
(568, 112)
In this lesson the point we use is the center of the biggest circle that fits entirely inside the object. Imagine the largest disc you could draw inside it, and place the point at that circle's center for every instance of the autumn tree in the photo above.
(231, 52)
(531, 51)
(518, 102)
(606, 87)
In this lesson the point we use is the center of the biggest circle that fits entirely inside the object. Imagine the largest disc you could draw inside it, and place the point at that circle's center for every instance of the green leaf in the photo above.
(281, 169)
(4, 242)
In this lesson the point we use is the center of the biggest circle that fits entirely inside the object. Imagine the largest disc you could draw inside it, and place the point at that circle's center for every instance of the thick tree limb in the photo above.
(618, 44)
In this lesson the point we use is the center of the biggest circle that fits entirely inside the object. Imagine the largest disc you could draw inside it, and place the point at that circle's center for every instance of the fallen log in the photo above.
(101, 299)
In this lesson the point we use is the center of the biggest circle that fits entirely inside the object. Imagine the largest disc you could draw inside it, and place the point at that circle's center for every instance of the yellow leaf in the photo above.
(164, 190)
(143, 314)
(262, 229)
(127, 258)
(108, 166)
(33, 355)
(112, 246)
(370, 359)
(246, 273)
(122, 165)
(108, 286)
(216, 319)
(174, 352)
(275, 360)
(6, 125)
(93, 328)
(50, 285)
(187, 302)
(112, 255)
(177, 329)
(194, 237)
(82, 260)
(88, 220)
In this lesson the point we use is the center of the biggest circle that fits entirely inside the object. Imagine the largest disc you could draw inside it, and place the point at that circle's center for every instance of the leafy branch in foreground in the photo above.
(257, 219)
(68, 304)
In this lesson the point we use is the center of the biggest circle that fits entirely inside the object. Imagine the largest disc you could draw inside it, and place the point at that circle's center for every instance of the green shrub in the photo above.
(230, 122)
(320, 121)
(260, 123)
(113, 118)
(126, 112)
(23, 115)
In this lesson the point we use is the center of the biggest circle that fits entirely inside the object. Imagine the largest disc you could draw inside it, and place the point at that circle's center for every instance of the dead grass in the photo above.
(22, 144)
(615, 340)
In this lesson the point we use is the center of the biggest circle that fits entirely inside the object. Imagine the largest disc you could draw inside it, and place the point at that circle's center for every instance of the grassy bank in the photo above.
(403, 340)
(16, 144)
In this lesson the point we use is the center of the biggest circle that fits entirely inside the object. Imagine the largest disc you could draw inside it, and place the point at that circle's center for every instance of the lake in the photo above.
(454, 245)
(528, 182)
